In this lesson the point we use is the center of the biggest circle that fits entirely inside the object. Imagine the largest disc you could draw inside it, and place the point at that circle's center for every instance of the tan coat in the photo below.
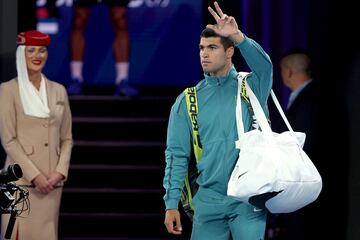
(38, 145)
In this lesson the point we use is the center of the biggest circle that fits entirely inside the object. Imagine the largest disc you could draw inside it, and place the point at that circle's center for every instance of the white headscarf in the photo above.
(34, 102)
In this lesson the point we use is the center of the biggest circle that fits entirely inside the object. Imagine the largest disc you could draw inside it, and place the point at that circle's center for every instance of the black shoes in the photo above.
(75, 88)
(125, 89)
(122, 89)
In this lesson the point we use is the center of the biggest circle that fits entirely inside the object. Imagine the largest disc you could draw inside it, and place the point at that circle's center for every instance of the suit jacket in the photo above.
(38, 145)
(303, 115)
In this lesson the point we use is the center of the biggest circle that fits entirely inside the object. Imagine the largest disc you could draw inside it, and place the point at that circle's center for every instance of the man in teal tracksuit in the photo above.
(217, 216)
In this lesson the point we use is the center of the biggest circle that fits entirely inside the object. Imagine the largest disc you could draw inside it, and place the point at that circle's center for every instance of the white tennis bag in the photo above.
(272, 170)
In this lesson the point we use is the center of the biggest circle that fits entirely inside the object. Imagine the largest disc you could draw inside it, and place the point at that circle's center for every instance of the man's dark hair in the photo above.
(225, 41)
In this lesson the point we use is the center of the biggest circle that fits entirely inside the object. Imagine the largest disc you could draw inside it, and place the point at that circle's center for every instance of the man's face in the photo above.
(285, 74)
(213, 56)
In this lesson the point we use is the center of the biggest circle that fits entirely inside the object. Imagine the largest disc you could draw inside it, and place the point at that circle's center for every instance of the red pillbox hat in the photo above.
(33, 38)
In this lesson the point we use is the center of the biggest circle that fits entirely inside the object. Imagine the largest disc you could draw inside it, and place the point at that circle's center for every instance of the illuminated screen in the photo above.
(164, 38)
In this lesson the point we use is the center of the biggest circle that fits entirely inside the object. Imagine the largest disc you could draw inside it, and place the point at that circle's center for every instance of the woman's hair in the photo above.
(225, 41)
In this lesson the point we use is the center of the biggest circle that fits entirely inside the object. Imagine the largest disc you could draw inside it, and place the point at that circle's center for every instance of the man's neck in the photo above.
(222, 72)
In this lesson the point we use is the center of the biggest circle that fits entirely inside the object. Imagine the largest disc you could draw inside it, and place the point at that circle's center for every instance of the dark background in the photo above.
(329, 31)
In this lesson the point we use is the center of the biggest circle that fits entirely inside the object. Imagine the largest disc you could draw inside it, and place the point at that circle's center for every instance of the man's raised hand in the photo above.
(225, 26)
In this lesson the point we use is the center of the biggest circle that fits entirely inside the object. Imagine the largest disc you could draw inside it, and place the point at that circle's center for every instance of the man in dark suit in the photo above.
(303, 114)
(302, 107)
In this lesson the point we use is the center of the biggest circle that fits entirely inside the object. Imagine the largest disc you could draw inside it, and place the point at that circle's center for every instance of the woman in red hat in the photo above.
(35, 130)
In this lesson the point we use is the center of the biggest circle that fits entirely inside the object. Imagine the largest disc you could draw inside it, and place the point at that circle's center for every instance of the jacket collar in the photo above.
(215, 80)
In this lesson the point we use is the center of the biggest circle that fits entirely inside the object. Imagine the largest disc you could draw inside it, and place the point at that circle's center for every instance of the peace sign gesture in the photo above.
(225, 26)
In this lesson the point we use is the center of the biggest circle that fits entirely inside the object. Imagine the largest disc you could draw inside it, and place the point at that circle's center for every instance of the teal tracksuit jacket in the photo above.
(217, 126)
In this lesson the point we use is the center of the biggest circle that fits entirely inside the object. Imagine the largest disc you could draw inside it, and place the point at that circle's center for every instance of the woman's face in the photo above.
(36, 57)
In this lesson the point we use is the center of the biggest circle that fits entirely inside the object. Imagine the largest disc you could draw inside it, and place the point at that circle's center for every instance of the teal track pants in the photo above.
(219, 217)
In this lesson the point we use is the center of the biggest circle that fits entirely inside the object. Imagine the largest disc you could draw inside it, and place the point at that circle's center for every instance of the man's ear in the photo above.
(230, 52)
(289, 72)
(286, 71)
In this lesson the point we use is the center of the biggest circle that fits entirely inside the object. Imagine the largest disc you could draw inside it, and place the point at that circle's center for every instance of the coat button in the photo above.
(46, 144)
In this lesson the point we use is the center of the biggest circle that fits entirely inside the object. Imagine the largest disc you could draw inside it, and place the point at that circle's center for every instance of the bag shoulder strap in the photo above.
(192, 107)
(242, 77)
(281, 111)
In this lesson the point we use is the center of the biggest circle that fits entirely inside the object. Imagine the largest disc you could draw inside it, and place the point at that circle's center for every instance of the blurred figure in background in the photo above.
(302, 108)
(118, 12)
(302, 111)
(36, 133)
